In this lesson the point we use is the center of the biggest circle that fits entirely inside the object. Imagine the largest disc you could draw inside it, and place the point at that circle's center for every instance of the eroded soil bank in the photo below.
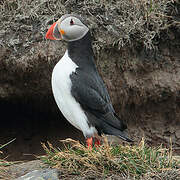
(144, 89)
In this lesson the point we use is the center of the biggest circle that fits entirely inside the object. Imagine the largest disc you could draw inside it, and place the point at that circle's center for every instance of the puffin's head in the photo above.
(69, 28)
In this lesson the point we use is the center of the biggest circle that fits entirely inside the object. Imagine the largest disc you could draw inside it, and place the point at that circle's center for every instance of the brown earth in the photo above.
(144, 84)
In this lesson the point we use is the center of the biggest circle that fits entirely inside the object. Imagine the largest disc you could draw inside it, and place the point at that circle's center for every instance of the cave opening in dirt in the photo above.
(30, 126)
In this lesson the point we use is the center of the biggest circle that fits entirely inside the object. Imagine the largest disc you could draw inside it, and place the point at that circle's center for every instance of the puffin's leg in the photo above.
(89, 142)
(93, 142)
(97, 142)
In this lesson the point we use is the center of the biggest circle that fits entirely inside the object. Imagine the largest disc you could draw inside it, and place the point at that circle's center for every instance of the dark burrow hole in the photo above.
(33, 123)
(30, 126)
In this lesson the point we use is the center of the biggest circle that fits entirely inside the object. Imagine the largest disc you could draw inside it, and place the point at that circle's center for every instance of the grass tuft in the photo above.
(3, 162)
(130, 160)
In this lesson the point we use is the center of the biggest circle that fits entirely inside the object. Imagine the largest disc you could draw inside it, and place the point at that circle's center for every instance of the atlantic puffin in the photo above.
(78, 89)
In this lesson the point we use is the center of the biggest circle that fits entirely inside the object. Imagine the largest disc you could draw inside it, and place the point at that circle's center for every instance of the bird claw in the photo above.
(93, 142)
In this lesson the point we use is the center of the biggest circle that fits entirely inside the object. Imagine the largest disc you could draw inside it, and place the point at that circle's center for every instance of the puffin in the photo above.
(79, 91)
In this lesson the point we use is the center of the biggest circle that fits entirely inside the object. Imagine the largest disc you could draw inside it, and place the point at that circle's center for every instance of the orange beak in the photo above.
(49, 34)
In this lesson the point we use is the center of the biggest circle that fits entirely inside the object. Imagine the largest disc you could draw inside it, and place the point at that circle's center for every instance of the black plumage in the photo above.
(90, 91)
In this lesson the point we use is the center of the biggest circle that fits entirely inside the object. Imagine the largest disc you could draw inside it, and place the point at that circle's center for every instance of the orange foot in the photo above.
(92, 142)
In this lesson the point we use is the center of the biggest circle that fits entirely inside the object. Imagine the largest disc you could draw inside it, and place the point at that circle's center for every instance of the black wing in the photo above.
(89, 90)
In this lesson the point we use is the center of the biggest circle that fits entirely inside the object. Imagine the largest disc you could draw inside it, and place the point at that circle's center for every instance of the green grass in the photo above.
(4, 163)
(2, 146)
(130, 160)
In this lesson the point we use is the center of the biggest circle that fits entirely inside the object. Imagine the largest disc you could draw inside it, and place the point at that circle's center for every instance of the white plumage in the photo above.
(61, 86)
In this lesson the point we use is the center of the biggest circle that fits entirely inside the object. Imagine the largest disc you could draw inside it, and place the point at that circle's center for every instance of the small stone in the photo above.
(44, 174)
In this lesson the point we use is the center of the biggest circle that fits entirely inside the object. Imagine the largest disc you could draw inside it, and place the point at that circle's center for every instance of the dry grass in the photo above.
(114, 23)
(135, 161)
(3, 162)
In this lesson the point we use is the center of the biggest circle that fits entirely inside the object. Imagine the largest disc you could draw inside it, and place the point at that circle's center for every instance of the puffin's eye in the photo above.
(71, 22)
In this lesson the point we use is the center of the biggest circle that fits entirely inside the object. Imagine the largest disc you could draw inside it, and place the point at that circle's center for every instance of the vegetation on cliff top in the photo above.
(114, 23)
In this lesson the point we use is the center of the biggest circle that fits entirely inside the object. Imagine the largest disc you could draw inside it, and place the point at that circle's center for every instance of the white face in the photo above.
(71, 28)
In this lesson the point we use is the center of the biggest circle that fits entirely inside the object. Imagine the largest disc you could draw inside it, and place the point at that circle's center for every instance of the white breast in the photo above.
(61, 86)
